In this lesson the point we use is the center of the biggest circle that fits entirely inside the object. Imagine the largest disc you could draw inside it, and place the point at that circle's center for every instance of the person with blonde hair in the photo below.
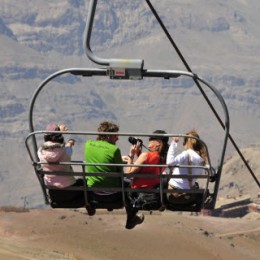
(194, 154)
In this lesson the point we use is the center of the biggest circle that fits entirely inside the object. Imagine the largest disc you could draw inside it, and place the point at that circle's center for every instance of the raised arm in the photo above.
(170, 160)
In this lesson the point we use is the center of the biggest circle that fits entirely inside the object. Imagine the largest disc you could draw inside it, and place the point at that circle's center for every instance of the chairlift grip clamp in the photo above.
(125, 69)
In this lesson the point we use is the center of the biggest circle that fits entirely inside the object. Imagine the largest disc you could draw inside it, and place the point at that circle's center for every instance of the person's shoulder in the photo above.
(152, 153)
(194, 154)
(101, 144)
(91, 144)
(90, 141)
(186, 153)
(144, 154)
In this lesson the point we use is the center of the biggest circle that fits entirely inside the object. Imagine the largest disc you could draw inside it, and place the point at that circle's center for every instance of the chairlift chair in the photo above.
(127, 69)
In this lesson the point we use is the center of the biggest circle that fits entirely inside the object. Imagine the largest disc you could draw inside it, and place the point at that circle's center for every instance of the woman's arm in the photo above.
(171, 153)
(173, 159)
(140, 160)
(68, 147)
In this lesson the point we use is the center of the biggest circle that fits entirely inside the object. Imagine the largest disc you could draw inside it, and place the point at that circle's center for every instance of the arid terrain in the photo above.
(219, 40)
(72, 234)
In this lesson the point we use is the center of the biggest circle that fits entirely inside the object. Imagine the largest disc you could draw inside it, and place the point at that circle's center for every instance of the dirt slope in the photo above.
(71, 234)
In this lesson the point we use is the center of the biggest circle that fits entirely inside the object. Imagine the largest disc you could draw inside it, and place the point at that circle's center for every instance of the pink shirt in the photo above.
(54, 152)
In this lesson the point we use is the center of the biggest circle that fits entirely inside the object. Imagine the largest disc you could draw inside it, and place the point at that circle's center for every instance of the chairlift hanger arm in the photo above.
(130, 68)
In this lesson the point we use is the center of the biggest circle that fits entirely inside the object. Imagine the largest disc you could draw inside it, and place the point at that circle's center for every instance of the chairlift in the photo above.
(128, 69)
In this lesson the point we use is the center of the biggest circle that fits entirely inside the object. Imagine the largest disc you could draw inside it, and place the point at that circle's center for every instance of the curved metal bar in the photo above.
(126, 63)
(148, 73)
(227, 120)
(88, 72)
(75, 71)
(87, 35)
(226, 128)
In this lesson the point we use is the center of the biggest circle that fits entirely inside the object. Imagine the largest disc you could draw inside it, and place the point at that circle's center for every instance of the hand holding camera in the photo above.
(134, 140)
(136, 147)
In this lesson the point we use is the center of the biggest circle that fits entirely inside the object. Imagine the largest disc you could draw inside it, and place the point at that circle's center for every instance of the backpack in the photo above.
(145, 200)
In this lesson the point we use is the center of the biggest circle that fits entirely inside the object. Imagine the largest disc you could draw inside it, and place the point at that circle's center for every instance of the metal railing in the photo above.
(162, 188)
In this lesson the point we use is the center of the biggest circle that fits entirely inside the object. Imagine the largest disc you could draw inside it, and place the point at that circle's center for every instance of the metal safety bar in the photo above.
(162, 189)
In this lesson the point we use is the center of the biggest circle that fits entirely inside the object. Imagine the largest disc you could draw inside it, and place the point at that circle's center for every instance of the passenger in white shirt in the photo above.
(194, 154)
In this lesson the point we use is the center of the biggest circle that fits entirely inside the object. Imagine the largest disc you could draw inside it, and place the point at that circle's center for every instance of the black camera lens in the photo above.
(133, 140)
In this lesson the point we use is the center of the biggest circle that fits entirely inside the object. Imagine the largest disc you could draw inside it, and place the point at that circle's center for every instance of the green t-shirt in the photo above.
(102, 152)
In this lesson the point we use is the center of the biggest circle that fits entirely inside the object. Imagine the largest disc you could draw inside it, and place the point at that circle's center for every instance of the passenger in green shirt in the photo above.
(101, 151)
(104, 150)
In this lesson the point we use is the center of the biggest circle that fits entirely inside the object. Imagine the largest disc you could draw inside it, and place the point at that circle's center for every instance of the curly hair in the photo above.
(107, 126)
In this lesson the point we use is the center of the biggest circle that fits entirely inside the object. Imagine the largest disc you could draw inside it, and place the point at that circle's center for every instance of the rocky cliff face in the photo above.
(219, 39)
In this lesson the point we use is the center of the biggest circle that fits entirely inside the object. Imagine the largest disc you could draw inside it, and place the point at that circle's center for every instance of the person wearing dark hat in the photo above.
(53, 150)
(158, 147)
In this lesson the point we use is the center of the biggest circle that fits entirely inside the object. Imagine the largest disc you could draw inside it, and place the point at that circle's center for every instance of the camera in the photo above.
(133, 140)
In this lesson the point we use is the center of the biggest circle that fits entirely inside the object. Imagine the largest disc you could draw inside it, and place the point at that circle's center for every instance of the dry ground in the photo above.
(71, 234)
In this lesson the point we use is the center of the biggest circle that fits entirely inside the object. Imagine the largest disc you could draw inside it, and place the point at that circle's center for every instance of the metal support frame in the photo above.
(167, 74)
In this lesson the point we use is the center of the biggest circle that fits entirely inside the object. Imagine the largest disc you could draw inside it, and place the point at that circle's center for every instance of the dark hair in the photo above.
(163, 152)
(107, 126)
(165, 146)
(54, 138)
(164, 139)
